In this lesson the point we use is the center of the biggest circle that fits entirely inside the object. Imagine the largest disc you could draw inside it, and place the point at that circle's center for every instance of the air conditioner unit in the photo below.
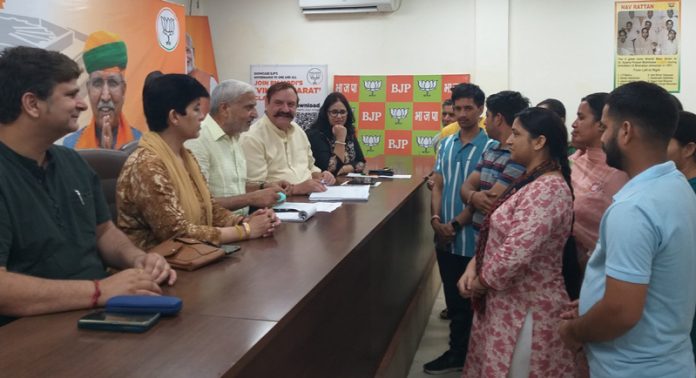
(348, 6)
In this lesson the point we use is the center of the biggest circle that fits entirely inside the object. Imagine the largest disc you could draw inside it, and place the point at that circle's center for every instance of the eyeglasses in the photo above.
(337, 113)
(111, 83)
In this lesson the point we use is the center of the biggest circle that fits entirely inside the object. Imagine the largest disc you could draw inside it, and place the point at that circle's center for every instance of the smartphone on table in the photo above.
(118, 322)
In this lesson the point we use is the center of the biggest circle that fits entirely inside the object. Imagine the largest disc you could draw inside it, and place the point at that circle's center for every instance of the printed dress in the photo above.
(522, 265)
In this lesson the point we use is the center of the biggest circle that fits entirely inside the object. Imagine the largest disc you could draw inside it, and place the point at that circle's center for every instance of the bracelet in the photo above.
(96, 295)
(339, 142)
(468, 201)
(240, 232)
(434, 217)
(247, 229)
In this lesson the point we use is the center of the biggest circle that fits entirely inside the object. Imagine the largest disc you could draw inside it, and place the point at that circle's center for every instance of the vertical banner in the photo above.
(309, 80)
(152, 30)
(204, 55)
(397, 114)
(647, 43)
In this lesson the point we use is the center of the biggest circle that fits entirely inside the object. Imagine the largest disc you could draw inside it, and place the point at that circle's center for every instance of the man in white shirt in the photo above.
(670, 46)
(644, 45)
(624, 46)
(276, 148)
(217, 149)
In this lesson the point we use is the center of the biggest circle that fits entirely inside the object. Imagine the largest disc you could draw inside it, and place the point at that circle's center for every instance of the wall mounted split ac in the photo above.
(348, 6)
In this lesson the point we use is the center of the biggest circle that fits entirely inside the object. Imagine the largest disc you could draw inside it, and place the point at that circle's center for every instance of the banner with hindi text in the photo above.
(397, 114)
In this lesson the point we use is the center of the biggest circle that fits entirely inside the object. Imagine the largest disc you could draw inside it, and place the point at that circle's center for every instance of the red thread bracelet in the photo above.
(96, 295)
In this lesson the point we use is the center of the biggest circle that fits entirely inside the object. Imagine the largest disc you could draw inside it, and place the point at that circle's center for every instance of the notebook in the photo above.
(295, 211)
(342, 193)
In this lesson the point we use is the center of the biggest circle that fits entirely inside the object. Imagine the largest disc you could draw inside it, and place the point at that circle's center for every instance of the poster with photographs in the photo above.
(647, 43)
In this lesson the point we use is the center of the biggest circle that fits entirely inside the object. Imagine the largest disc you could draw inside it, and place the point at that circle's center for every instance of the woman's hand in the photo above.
(339, 132)
(465, 282)
(262, 223)
(346, 169)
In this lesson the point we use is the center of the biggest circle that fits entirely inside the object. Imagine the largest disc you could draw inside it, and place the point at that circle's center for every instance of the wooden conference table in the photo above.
(339, 295)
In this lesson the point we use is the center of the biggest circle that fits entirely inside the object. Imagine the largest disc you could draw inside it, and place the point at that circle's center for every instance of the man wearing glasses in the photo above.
(105, 58)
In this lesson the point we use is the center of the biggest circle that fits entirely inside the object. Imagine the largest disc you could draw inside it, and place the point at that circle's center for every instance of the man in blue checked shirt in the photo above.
(455, 245)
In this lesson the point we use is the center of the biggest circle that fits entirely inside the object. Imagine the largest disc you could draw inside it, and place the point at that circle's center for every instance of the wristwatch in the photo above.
(456, 225)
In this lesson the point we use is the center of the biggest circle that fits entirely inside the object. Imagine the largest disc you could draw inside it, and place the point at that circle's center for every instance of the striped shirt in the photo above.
(495, 167)
(221, 159)
(455, 162)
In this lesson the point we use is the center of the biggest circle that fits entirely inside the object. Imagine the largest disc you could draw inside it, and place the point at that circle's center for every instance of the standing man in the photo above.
(638, 296)
(220, 156)
(206, 79)
(447, 117)
(277, 148)
(56, 234)
(105, 58)
(495, 171)
(454, 244)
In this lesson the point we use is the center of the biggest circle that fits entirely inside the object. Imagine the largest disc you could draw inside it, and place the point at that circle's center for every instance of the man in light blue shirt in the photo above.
(638, 296)
(457, 157)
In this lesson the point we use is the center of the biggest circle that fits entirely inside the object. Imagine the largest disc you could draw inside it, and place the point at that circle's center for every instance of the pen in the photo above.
(79, 195)
(286, 210)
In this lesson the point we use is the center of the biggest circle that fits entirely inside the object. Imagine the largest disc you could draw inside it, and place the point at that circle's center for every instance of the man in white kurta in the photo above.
(276, 148)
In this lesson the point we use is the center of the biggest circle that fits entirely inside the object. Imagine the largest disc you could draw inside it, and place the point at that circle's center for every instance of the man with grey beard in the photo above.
(105, 57)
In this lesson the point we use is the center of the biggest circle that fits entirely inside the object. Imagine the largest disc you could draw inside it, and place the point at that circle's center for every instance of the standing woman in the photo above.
(515, 281)
(594, 182)
(332, 136)
(161, 192)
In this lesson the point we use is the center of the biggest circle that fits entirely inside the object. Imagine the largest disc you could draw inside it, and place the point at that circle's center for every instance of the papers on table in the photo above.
(327, 207)
(295, 211)
(389, 177)
(342, 193)
(300, 212)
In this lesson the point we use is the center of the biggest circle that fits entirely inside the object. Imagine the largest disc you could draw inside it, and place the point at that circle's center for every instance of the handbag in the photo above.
(187, 253)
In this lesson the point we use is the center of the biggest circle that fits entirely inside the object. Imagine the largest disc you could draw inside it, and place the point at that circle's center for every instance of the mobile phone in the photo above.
(362, 180)
(230, 248)
(118, 322)
(386, 171)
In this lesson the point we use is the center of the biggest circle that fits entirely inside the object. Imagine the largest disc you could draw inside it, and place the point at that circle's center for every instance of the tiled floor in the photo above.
(433, 343)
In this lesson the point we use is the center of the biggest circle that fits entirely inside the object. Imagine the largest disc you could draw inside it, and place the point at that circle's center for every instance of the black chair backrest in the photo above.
(107, 164)
(129, 147)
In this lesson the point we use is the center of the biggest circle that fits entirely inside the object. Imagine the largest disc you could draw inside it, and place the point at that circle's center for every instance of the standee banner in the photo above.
(397, 114)
(309, 80)
(648, 43)
(152, 30)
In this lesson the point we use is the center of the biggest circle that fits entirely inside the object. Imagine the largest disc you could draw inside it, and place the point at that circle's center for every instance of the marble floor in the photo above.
(433, 343)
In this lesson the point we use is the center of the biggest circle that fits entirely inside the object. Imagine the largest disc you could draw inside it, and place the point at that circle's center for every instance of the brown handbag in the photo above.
(187, 253)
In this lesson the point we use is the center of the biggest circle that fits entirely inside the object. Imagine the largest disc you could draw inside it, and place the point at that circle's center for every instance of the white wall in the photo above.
(422, 37)
(565, 49)
(542, 48)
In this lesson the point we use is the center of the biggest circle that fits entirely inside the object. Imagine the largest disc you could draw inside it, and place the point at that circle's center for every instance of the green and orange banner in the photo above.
(397, 114)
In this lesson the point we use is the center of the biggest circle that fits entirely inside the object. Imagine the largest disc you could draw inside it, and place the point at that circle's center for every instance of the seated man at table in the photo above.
(56, 234)
(276, 148)
(217, 149)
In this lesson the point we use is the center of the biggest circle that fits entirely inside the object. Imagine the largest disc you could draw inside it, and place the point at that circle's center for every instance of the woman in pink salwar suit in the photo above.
(516, 279)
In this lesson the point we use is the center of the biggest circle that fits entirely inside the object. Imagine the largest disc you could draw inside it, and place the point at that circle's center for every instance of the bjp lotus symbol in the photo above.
(168, 25)
(425, 142)
(427, 86)
(372, 86)
(398, 114)
(371, 141)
